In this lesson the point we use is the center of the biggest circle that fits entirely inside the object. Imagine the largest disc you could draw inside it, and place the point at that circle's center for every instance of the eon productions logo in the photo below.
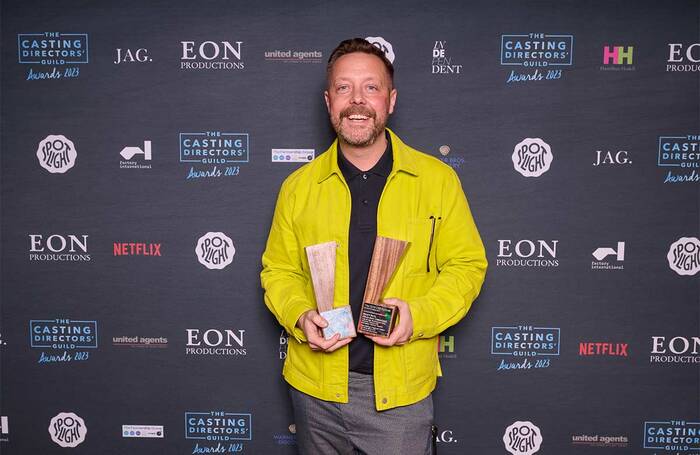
(55, 49)
(72, 248)
(218, 426)
(215, 250)
(674, 436)
(677, 350)
(210, 55)
(525, 341)
(67, 429)
(532, 157)
(542, 254)
(215, 342)
(684, 256)
(383, 45)
(680, 152)
(130, 152)
(536, 50)
(677, 57)
(56, 154)
(522, 438)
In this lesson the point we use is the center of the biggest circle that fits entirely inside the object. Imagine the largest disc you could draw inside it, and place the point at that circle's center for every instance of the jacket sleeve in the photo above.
(282, 276)
(461, 264)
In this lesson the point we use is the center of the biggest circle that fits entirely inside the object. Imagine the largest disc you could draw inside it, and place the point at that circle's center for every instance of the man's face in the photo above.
(359, 98)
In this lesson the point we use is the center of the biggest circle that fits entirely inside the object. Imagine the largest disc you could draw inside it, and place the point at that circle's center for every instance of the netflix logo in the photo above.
(602, 349)
(136, 249)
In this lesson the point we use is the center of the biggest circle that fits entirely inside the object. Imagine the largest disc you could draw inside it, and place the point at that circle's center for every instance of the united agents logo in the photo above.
(676, 350)
(213, 148)
(218, 426)
(215, 250)
(522, 438)
(602, 254)
(536, 50)
(599, 441)
(67, 429)
(140, 342)
(682, 58)
(64, 339)
(384, 46)
(527, 342)
(527, 253)
(209, 342)
(618, 58)
(532, 157)
(294, 56)
(292, 155)
(443, 64)
(59, 50)
(140, 153)
(211, 55)
(674, 436)
(680, 154)
(684, 256)
(58, 247)
(56, 154)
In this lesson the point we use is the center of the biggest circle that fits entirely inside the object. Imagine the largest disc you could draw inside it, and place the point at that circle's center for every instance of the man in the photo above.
(369, 394)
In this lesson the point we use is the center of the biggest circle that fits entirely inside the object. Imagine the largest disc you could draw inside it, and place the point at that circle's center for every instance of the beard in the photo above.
(359, 137)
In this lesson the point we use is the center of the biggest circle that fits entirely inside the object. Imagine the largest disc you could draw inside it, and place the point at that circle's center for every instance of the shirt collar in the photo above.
(381, 168)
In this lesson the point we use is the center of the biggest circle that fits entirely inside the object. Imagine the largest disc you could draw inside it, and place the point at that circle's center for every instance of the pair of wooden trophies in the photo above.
(376, 318)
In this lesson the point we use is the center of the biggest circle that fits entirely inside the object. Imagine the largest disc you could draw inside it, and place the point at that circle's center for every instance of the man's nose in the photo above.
(357, 97)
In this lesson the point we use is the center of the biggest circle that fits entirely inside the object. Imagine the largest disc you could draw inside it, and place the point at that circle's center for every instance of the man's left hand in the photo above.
(404, 328)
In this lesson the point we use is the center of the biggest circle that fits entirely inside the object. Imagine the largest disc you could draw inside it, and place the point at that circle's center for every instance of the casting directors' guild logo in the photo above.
(681, 154)
(211, 55)
(216, 431)
(684, 256)
(67, 429)
(56, 154)
(522, 438)
(384, 46)
(62, 340)
(532, 157)
(672, 437)
(58, 51)
(214, 149)
(528, 342)
(215, 250)
(536, 50)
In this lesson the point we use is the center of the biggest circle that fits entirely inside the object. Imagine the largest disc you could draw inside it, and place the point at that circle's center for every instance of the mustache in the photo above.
(357, 110)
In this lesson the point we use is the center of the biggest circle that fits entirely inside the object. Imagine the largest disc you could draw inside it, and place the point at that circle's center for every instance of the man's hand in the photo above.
(311, 324)
(404, 328)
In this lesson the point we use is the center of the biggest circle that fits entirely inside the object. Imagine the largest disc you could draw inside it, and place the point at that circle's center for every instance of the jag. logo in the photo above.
(684, 256)
(532, 157)
(522, 438)
(215, 250)
(67, 429)
(384, 46)
(56, 154)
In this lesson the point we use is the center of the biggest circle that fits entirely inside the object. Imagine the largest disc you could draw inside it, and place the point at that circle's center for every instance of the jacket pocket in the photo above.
(420, 256)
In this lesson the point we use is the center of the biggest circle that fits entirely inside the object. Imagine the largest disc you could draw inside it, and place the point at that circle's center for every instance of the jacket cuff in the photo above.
(424, 319)
(294, 311)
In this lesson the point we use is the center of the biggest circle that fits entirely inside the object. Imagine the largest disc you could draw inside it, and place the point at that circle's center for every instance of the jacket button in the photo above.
(384, 400)
(364, 176)
(337, 395)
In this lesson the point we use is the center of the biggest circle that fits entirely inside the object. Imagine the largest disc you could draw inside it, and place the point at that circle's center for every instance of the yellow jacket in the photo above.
(421, 201)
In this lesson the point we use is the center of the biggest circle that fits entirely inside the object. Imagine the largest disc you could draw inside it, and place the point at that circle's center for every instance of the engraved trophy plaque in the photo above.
(378, 318)
(322, 265)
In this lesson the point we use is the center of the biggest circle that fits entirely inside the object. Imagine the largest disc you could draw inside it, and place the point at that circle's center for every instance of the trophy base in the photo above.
(339, 321)
(377, 319)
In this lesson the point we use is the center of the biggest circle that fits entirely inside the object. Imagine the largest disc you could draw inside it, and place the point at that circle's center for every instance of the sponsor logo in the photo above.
(602, 253)
(383, 45)
(211, 55)
(525, 341)
(131, 56)
(2, 343)
(536, 50)
(674, 437)
(527, 253)
(683, 58)
(522, 438)
(67, 429)
(56, 154)
(210, 342)
(676, 350)
(453, 161)
(284, 343)
(140, 342)
(445, 437)
(215, 250)
(532, 157)
(213, 148)
(684, 256)
(446, 347)
(294, 56)
(292, 155)
(58, 50)
(128, 153)
(142, 431)
(602, 349)
(599, 441)
(136, 249)
(220, 427)
(442, 64)
(681, 154)
(62, 340)
(618, 58)
(608, 158)
(57, 247)
(287, 439)
(4, 429)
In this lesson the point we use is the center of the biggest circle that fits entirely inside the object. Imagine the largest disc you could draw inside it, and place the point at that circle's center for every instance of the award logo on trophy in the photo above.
(322, 266)
(377, 318)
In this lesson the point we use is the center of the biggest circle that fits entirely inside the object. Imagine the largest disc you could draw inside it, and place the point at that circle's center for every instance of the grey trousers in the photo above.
(357, 428)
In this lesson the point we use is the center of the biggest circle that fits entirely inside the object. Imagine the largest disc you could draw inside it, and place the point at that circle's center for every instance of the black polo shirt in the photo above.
(365, 189)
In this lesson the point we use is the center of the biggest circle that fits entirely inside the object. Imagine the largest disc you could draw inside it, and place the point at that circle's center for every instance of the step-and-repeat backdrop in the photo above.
(143, 145)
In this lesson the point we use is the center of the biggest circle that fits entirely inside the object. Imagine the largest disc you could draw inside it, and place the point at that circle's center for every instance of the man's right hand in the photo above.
(311, 323)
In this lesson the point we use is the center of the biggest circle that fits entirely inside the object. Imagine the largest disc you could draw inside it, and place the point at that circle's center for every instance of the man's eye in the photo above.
(372, 88)
(342, 88)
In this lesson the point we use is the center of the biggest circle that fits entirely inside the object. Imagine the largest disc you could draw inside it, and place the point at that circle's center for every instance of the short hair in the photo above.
(350, 46)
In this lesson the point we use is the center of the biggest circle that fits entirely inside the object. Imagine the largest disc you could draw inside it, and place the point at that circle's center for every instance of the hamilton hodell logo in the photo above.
(674, 436)
(136, 157)
(132, 56)
(683, 58)
(618, 58)
(522, 438)
(678, 349)
(284, 344)
(56, 154)
(599, 441)
(293, 155)
(621, 157)
(525, 341)
(136, 249)
(58, 247)
(384, 46)
(446, 347)
(4, 429)
(209, 342)
(681, 154)
(443, 64)
(63, 339)
(213, 148)
(67, 429)
(143, 431)
(59, 50)
(218, 427)
(684, 256)
(140, 342)
(215, 250)
(588, 349)
(532, 157)
(536, 50)
(602, 256)
(527, 253)
(294, 56)
(453, 161)
(211, 55)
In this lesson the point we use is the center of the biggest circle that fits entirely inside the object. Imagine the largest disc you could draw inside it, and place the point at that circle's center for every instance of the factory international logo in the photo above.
(67, 429)
(215, 342)
(609, 258)
(63, 340)
(683, 58)
(680, 156)
(56, 153)
(442, 62)
(536, 56)
(684, 256)
(136, 157)
(59, 247)
(673, 437)
(52, 54)
(618, 58)
(212, 55)
(522, 438)
(532, 157)
(384, 46)
(214, 431)
(213, 153)
(293, 155)
(679, 350)
(534, 345)
(215, 250)
(527, 253)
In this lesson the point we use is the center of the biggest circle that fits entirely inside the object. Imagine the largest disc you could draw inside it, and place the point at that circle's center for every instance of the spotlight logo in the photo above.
(384, 46)
(215, 250)
(674, 436)
(56, 154)
(536, 50)
(52, 49)
(681, 154)
(218, 426)
(67, 429)
(684, 256)
(213, 149)
(532, 157)
(522, 438)
(527, 342)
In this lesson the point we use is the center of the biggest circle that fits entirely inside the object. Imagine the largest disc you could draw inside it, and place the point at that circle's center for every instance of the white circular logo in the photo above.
(67, 429)
(383, 45)
(684, 256)
(532, 157)
(522, 438)
(56, 153)
(215, 250)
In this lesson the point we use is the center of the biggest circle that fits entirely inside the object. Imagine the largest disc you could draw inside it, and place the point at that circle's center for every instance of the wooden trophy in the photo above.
(377, 318)
(322, 265)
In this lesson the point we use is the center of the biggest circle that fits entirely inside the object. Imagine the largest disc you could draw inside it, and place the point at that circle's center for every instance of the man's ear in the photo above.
(328, 103)
(392, 100)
